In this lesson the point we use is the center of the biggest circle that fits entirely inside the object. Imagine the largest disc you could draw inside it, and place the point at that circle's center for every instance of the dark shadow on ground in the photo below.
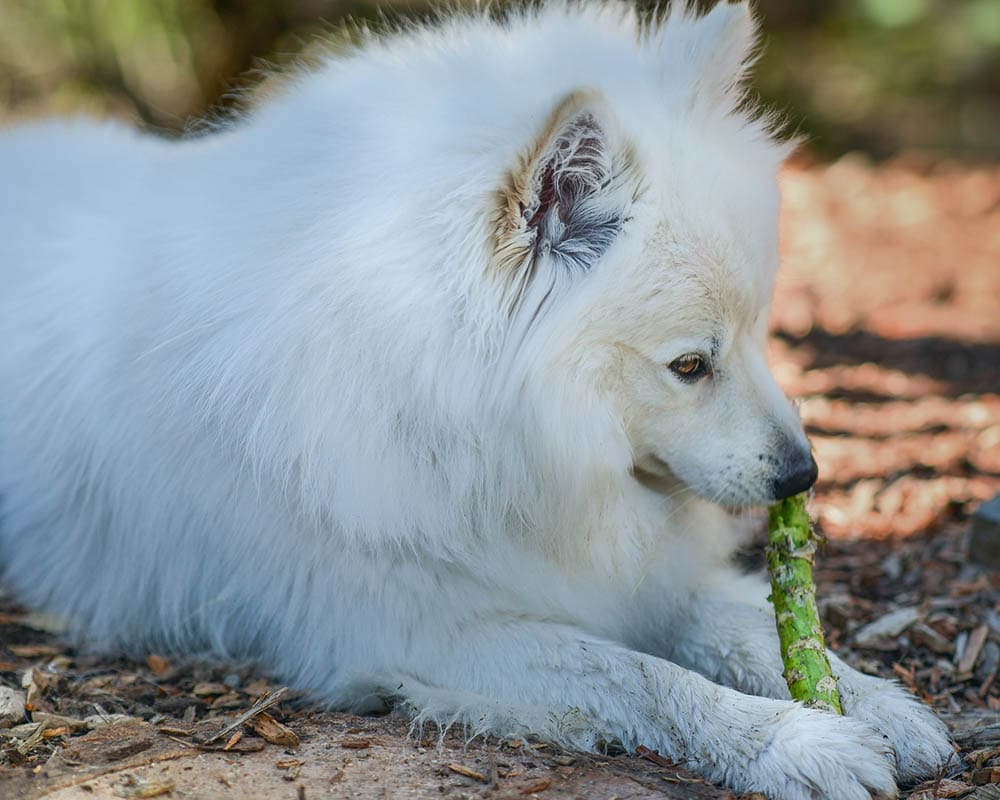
(965, 367)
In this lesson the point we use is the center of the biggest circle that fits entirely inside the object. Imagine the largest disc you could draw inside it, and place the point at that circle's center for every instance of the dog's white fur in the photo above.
(373, 387)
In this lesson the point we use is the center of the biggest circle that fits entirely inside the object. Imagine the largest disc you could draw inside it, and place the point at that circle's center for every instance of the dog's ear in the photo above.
(567, 197)
(716, 49)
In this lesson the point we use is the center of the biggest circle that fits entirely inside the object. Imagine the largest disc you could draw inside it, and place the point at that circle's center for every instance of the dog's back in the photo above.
(221, 345)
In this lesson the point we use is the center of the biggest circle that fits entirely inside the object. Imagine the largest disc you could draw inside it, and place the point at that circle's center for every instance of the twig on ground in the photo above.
(259, 707)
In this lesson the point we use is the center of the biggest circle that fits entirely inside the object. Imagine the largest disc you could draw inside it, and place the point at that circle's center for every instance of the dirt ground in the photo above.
(886, 325)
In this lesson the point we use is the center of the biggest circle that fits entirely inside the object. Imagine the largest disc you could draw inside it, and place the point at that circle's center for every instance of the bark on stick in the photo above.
(790, 554)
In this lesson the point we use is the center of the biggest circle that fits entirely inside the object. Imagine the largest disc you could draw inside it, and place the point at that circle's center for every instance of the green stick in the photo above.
(793, 594)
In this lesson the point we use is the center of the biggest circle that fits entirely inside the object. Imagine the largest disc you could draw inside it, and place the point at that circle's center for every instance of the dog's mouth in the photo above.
(655, 474)
(651, 464)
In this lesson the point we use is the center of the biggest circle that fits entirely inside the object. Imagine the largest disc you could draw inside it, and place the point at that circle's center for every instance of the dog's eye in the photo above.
(689, 367)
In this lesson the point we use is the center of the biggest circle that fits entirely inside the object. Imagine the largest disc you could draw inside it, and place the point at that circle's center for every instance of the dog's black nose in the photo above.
(798, 474)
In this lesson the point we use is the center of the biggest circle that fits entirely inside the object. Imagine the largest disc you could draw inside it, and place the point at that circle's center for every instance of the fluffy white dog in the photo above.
(431, 380)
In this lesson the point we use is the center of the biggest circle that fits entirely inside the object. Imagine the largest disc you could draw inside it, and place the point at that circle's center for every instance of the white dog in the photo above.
(430, 380)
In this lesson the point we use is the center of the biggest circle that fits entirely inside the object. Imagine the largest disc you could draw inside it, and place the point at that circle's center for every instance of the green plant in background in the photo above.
(160, 60)
(872, 75)
(882, 76)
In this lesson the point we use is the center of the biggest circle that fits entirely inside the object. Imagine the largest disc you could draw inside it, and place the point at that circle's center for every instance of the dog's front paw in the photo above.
(816, 754)
(919, 738)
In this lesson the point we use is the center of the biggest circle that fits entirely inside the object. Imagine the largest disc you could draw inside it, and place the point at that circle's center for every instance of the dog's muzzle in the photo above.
(797, 475)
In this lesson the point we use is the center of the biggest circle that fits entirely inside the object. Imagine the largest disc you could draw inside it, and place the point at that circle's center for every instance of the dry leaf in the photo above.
(977, 758)
(258, 688)
(134, 788)
(655, 757)
(269, 729)
(931, 790)
(34, 682)
(987, 775)
(355, 744)
(175, 730)
(157, 664)
(973, 648)
(33, 650)
(468, 773)
(209, 689)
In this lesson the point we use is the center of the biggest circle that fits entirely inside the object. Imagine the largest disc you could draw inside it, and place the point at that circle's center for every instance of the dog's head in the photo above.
(637, 246)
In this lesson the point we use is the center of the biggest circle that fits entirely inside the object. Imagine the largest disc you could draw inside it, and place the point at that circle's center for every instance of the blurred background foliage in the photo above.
(879, 76)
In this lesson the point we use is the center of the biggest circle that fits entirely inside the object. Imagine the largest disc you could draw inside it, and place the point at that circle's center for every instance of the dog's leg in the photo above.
(517, 677)
(727, 633)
